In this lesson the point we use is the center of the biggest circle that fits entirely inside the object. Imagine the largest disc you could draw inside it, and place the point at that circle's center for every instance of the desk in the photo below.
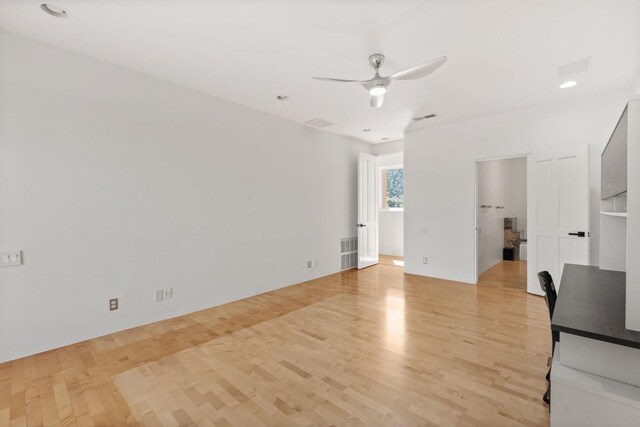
(591, 304)
(595, 376)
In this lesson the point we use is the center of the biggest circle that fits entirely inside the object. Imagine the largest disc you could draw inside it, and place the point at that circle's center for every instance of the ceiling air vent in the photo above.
(318, 123)
(428, 116)
(575, 67)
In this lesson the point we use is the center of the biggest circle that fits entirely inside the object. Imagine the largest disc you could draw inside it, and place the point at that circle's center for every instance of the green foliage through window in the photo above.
(395, 188)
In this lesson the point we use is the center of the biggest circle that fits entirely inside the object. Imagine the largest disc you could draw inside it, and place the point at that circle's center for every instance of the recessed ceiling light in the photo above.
(568, 84)
(53, 10)
(282, 97)
(385, 139)
(366, 130)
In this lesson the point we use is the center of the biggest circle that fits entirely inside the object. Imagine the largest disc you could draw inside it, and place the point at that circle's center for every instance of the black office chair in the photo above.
(550, 296)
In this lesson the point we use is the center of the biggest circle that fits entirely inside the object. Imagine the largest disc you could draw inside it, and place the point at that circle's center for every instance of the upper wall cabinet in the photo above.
(614, 160)
(633, 220)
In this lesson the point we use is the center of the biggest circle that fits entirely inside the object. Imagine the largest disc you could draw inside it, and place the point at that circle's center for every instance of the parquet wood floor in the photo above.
(359, 348)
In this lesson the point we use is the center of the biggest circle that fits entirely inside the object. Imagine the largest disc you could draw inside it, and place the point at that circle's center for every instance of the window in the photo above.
(392, 186)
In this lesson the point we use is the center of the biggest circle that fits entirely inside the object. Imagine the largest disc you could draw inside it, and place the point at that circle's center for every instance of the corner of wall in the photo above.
(635, 89)
(384, 148)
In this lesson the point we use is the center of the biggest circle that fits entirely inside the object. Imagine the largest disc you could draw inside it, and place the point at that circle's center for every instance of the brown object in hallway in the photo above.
(374, 346)
(511, 238)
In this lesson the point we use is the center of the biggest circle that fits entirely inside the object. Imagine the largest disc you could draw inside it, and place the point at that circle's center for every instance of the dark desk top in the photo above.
(591, 303)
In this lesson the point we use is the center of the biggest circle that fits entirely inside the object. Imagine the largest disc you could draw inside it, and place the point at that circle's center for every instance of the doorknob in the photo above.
(361, 225)
(579, 234)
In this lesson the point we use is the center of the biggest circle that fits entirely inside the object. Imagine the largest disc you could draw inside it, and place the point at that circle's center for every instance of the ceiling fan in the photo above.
(377, 85)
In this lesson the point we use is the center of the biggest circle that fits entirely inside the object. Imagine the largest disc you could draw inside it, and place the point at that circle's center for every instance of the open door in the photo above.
(558, 212)
(367, 211)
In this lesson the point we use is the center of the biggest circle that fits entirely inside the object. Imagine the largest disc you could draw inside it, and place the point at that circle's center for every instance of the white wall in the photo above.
(115, 184)
(390, 222)
(500, 183)
(613, 243)
(440, 173)
(388, 148)
(390, 225)
(635, 90)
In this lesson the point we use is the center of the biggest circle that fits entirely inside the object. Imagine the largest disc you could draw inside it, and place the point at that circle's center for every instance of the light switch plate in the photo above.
(10, 258)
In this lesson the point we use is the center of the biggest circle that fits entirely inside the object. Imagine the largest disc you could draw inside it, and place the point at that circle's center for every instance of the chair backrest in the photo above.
(550, 294)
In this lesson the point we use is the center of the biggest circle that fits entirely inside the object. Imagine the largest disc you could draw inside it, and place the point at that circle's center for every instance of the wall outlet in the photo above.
(158, 295)
(163, 294)
(10, 259)
(425, 260)
(312, 263)
(309, 264)
(113, 304)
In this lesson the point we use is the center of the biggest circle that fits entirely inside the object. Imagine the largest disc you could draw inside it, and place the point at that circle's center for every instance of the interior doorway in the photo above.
(391, 209)
(501, 222)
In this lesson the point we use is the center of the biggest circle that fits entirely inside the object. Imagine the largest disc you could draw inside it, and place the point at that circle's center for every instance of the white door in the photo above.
(367, 211)
(558, 212)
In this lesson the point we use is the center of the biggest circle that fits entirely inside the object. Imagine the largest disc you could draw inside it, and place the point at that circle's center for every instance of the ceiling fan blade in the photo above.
(419, 71)
(377, 100)
(329, 79)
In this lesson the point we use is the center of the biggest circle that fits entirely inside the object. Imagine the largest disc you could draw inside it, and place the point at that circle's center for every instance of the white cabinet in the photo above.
(614, 160)
(633, 218)
(583, 399)
(620, 175)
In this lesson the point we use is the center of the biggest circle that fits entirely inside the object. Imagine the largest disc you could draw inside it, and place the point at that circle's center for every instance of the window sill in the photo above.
(392, 209)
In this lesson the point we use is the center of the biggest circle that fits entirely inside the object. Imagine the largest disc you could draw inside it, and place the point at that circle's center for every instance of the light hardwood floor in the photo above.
(392, 260)
(506, 274)
(371, 347)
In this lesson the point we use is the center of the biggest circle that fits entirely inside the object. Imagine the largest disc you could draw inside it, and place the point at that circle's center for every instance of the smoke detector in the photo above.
(54, 10)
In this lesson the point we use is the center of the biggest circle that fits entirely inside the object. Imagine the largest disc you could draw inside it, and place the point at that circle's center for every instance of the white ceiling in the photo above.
(503, 54)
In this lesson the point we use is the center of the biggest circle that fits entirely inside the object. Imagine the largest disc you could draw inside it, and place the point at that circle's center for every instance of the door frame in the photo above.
(530, 219)
(379, 193)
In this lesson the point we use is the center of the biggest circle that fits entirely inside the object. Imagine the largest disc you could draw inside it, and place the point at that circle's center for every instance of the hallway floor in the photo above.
(506, 274)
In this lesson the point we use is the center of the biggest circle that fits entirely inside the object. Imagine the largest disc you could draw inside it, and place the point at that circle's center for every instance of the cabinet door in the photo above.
(614, 161)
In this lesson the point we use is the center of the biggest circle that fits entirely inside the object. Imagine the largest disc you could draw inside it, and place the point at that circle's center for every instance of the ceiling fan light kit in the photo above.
(378, 90)
(378, 85)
